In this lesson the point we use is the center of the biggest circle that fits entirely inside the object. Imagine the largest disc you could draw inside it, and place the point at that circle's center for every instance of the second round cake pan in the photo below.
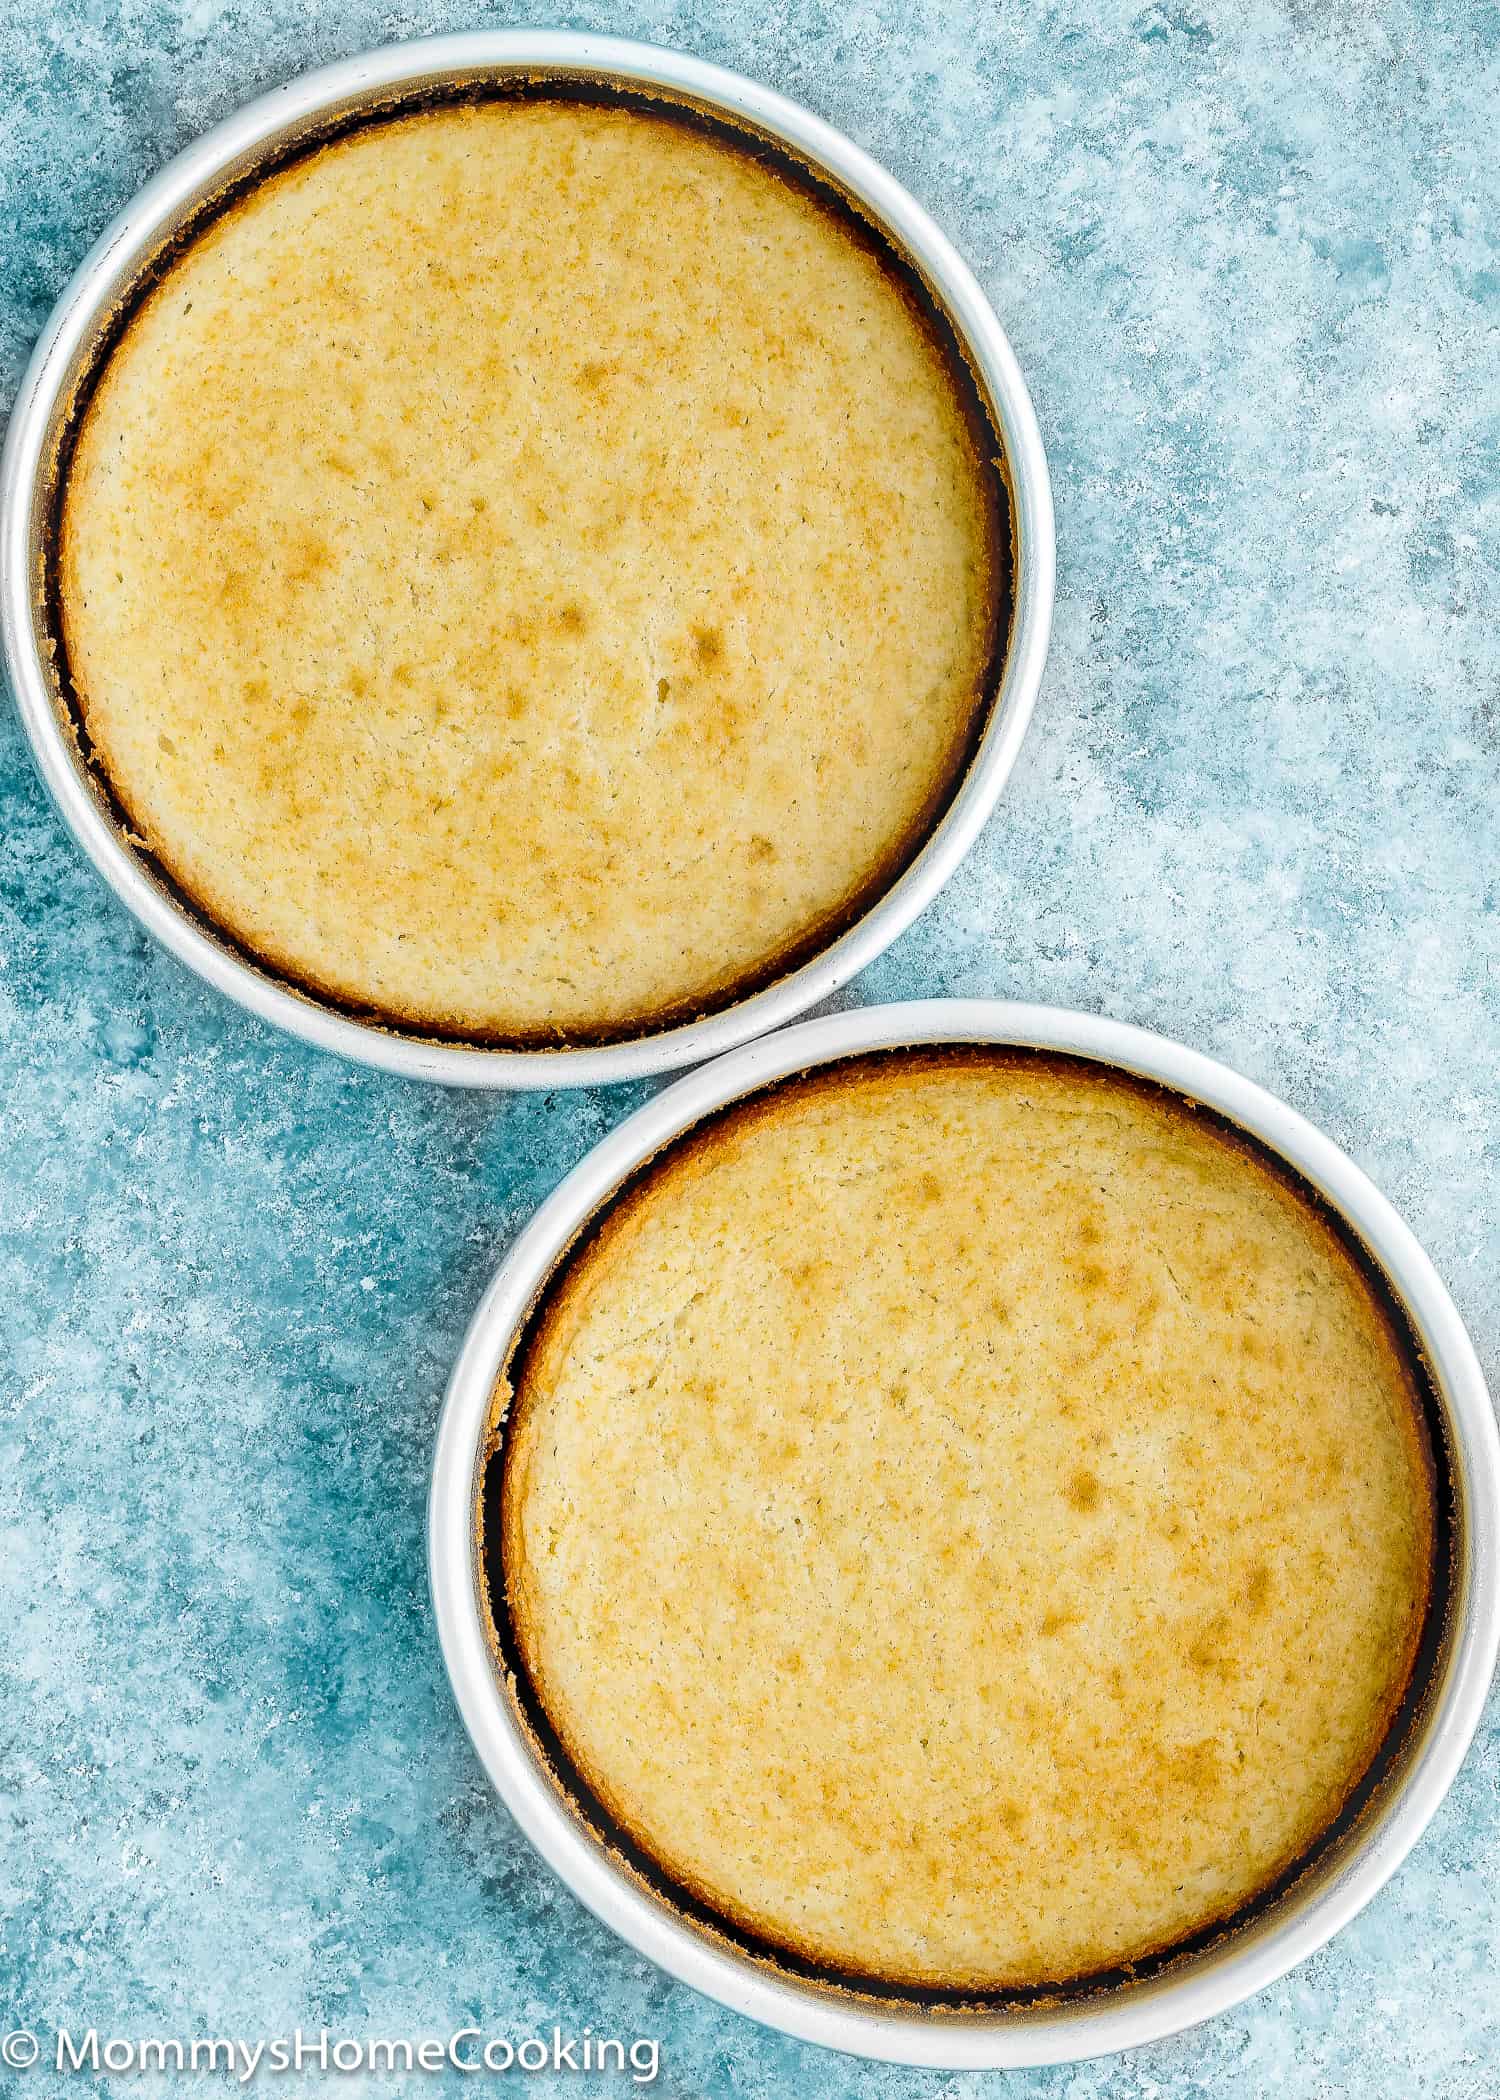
(1342, 1871)
(226, 163)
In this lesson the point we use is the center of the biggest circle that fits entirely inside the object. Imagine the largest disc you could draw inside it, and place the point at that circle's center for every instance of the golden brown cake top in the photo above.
(969, 1519)
(530, 570)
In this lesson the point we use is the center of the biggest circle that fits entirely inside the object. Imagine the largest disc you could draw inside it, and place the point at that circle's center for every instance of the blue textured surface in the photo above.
(1248, 259)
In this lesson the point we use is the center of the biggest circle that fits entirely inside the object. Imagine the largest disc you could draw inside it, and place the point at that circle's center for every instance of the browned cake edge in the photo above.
(499, 1554)
(854, 223)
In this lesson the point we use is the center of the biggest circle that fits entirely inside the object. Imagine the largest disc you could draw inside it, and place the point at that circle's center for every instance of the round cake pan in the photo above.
(227, 157)
(1337, 1882)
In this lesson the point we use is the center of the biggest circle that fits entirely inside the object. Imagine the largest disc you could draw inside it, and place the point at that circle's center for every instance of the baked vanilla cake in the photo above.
(967, 1517)
(532, 570)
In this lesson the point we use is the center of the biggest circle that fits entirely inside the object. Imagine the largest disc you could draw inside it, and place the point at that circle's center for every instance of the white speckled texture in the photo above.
(1248, 258)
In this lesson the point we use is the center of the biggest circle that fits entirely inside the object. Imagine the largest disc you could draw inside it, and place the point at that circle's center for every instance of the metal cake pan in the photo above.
(227, 157)
(1417, 1766)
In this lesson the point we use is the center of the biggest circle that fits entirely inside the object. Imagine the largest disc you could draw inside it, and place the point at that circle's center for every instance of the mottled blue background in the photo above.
(1248, 258)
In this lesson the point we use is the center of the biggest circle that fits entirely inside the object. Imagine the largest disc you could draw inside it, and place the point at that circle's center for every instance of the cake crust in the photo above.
(968, 1518)
(531, 571)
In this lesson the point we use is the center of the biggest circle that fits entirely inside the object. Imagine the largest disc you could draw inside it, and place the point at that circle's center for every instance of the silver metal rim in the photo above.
(1313, 1911)
(111, 264)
